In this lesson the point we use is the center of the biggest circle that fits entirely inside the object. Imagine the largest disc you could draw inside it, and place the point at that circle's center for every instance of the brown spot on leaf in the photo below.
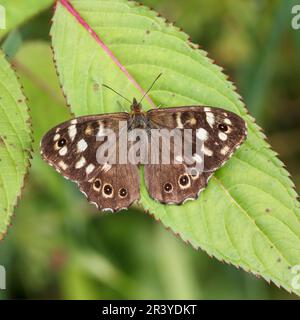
(2, 142)
(96, 87)
(12, 145)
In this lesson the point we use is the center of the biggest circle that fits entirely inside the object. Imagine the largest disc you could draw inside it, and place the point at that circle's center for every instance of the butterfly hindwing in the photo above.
(112, 188)
(170, 184)
(221, 133)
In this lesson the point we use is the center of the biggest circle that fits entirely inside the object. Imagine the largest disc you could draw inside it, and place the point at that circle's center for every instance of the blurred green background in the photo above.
(60, 247)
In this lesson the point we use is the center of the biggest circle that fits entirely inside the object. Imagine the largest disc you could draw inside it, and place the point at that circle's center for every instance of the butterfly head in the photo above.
(136, 107)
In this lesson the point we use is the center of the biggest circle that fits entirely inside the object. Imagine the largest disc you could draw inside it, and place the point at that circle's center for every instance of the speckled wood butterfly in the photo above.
(72, 148)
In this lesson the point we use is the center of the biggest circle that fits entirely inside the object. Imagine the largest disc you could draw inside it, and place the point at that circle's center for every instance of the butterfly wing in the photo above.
(112, 190)
(221, 132)
(72, 148)
(170, 184)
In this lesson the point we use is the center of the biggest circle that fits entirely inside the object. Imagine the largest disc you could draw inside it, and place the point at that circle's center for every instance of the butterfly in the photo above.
(72, 148)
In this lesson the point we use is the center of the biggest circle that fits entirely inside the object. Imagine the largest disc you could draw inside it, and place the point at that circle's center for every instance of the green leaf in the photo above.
(248, 215)
(18, 11)
(43, 91)
(12, 44)
(15, 142)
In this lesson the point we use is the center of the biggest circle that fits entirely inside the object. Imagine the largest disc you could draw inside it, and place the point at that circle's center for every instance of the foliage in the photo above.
(238, 218)
(60, 247)
(18, 11)
(15, 142)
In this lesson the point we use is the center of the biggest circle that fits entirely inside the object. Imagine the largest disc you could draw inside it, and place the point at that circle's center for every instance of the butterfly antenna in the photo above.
(119, 94)
(143, 97)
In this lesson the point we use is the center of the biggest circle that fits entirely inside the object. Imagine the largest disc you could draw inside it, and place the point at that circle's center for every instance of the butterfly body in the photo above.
(72, 148)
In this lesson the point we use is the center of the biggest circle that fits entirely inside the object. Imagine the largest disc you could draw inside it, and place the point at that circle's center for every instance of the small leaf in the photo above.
(248, 215)
(18, 11)
(15, 142)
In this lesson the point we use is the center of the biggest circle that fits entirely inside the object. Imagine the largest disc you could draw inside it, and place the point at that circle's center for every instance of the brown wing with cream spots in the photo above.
(71, 148)
(114, 189)
(171, 184)
(220, 133)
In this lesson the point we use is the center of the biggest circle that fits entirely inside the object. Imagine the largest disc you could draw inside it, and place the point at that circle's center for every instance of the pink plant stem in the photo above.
(75, 14)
